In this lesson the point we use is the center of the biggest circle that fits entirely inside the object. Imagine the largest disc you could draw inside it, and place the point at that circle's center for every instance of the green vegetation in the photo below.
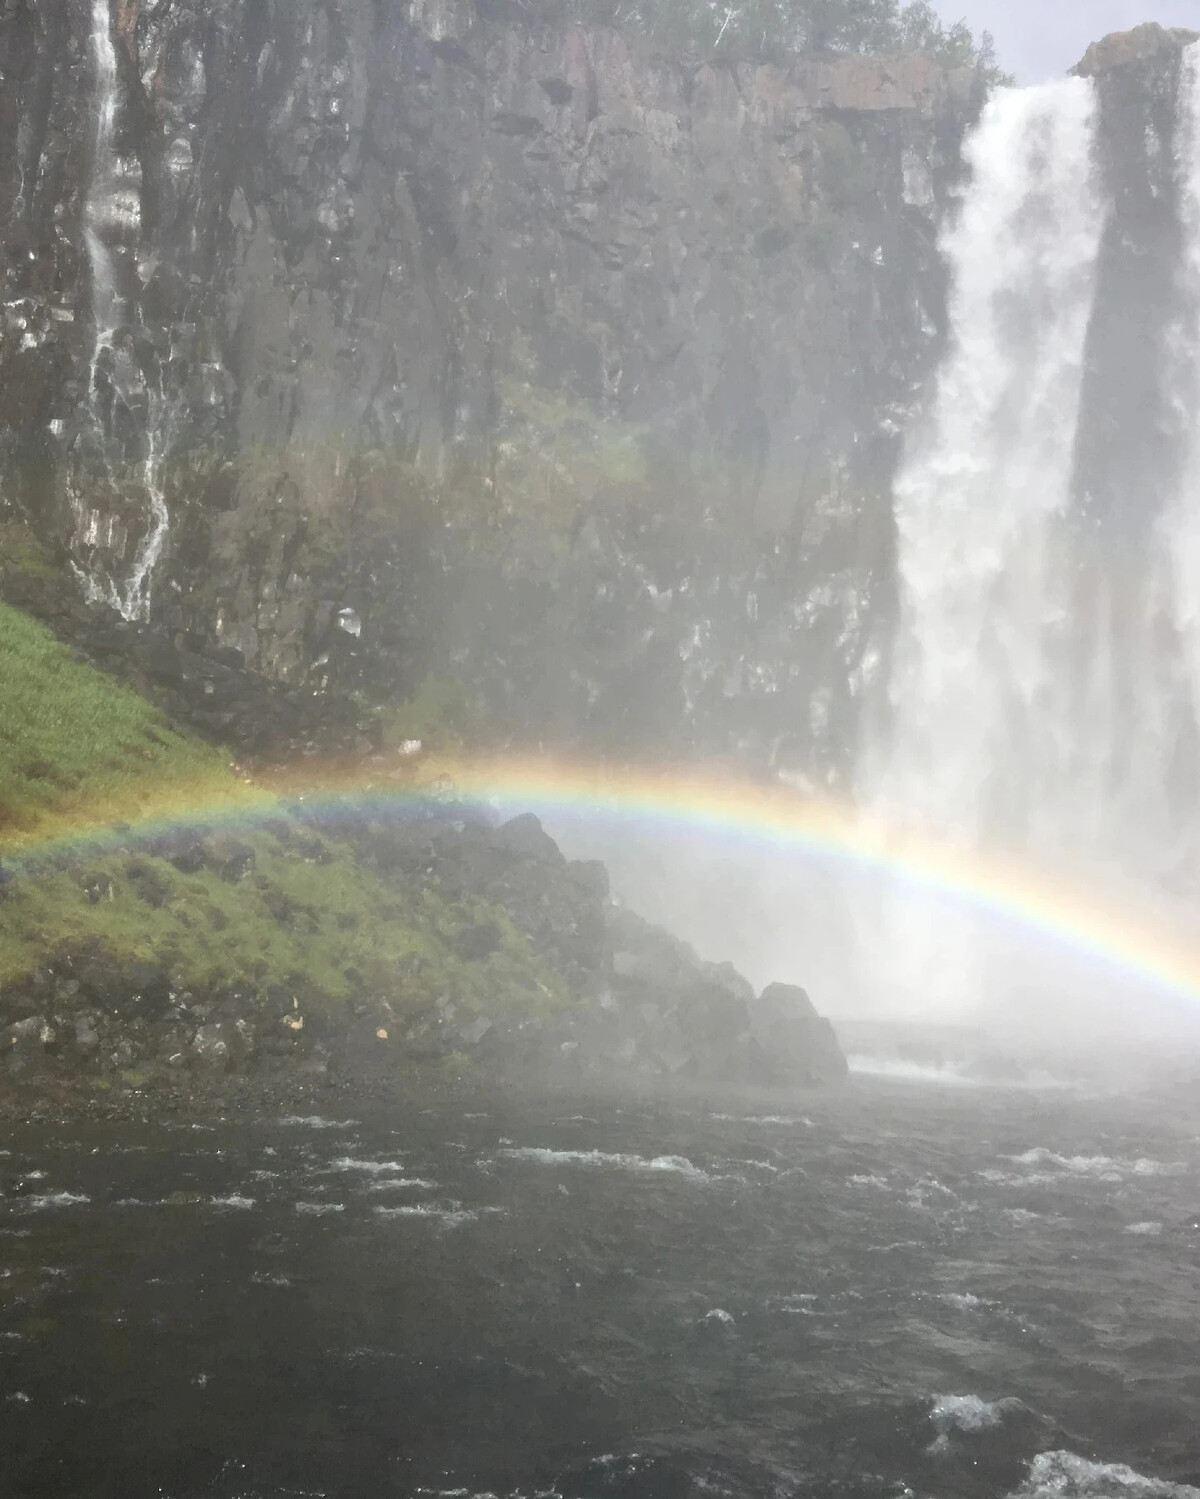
(21, 550)
(558, 454)
(437, 716)
(320, 926)
(75, 745)
(276, 908)
(763, 29)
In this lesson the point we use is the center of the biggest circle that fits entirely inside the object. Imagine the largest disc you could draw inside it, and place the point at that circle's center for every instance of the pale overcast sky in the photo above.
(1037, 39)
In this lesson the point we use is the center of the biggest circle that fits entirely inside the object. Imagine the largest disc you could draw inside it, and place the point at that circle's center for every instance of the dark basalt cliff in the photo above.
(402, 340)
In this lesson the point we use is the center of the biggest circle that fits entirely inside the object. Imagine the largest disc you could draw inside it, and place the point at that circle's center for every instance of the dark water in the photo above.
(902, 1290)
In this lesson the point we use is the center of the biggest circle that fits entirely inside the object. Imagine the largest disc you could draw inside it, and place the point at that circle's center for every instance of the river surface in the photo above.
(900, 1290)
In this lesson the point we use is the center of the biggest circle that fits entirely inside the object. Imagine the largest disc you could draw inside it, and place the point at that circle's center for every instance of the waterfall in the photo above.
(1045, 686)
(982, 496)
(103, 200)
(1182, 532)
(121, 394)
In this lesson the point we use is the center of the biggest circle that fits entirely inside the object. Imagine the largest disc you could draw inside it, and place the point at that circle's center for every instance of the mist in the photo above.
(599, 750)
(1041, 691)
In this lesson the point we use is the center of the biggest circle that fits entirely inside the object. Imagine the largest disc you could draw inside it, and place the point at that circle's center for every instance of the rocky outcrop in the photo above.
(526, 357)
(1143, 43)
(199, 685)
(629, 1001)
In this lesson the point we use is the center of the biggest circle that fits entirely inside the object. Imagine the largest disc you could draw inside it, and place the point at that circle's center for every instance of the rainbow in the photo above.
(1115, 929)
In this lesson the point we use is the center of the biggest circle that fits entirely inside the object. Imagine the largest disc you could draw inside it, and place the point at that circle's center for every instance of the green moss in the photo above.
(331, 929)
(557, 454)
(21, 549)
(75, 744)
(78, 749)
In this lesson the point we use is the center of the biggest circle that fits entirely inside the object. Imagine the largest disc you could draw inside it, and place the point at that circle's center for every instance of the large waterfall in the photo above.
(1045, 689)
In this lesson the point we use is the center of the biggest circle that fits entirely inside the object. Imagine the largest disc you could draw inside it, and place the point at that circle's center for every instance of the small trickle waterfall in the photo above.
(128, 413)
(1045, 688)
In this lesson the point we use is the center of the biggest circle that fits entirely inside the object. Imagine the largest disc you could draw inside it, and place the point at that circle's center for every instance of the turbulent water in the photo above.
(945, 1292)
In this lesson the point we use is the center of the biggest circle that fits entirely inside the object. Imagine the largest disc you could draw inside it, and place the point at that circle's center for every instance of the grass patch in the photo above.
(21, 549)
(273, 908)
(331, 929)
(76, 746)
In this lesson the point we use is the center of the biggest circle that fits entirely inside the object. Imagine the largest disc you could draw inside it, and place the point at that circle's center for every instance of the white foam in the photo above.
(898, 1070)
(319, 1209)
(1047, 1165)
(675, 1164)
(372, 1168)
(1145, 1230)
(448, 1217)
(1062, 1475)
(394, 1183)
(57, 1200)
(789, 1119)
(315, 1121)
(242, 1204)
(966, 1413)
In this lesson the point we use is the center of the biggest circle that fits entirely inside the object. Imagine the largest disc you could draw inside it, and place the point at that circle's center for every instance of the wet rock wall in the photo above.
(528, 359)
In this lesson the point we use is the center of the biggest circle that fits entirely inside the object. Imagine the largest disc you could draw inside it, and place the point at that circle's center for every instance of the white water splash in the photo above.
(976, 740)
(983, 490)
(1045, 693)
(1182, 528)
(1064, 1475)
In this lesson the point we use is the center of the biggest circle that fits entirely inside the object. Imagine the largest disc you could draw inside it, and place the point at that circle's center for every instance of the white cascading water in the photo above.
(1182, 530)
(980, 501)
(1043, 681)
(984, 490)
(112, 213)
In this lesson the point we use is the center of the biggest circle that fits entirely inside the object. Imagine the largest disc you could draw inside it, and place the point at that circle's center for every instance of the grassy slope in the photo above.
(77, 748)
(74, 744)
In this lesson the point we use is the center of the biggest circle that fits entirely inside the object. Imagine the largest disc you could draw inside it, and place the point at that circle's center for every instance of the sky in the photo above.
(1039, 39)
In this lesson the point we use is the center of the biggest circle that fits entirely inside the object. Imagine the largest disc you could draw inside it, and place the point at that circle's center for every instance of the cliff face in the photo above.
(378, 339)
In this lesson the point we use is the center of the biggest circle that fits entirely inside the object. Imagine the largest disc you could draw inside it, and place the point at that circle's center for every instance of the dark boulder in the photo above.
(525, 837)
(230, 858)
(797, 1044)
(148, 989)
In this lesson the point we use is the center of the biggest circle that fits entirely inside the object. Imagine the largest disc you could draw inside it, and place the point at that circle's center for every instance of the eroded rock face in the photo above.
(525, 357)
(1120, 48)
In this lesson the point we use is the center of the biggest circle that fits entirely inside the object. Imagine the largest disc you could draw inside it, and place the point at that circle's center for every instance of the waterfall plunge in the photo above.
(1045, 689)
(982, 497)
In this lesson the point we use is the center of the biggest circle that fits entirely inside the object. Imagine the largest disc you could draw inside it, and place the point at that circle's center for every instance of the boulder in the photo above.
(1120, 48)
(527, 838)
(148, 989)
(210, 1045)
(797, 1044)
